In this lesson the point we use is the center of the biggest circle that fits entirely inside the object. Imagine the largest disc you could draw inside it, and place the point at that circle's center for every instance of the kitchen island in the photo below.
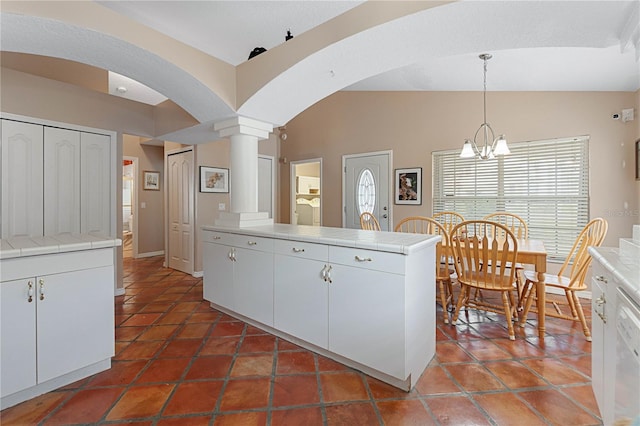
(57, 315)
(363, 298)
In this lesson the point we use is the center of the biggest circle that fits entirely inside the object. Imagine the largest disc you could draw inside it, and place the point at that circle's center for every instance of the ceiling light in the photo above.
(491, 146)
(121, 89)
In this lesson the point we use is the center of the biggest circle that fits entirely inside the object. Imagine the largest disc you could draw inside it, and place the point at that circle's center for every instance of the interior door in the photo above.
(366, 188)
(180, 203)
(265, 184)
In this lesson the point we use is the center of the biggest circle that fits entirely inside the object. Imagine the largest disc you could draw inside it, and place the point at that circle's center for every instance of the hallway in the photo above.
(179, 362)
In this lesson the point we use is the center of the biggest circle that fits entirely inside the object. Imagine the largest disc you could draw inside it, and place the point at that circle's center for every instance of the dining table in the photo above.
(532, 252)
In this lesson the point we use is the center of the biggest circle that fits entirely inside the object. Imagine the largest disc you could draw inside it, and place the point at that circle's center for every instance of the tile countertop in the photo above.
(394, 242)
(625, 270)
(33, 246)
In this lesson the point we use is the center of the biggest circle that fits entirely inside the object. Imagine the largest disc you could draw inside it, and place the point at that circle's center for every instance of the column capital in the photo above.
(243, 126)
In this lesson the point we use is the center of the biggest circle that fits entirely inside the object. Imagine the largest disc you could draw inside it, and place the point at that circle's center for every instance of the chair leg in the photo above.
(507, 313)
(583, 321)
(443, 300)
(530, 297)
(462, 298)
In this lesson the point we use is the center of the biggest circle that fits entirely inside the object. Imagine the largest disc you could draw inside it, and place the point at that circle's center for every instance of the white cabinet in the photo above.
(366, 308)
(603, 331)
(55, 180)
(240, 274)
(22, 177)
(301, 291)
(56, 322)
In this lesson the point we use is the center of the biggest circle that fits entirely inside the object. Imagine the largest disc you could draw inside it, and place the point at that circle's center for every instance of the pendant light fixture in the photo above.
(489, 145)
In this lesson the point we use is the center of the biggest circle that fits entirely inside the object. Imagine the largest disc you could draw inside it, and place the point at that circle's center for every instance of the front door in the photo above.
(180, 204)
(366, 188)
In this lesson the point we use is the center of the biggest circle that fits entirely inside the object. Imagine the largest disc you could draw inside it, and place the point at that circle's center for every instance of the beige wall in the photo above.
(414, 124)
(150, 236)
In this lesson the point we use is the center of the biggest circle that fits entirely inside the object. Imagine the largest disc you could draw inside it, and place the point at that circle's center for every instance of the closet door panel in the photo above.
(95, 183)
(21, 150)
(61, 181)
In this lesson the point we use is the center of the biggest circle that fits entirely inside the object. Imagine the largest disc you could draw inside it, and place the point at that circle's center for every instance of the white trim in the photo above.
(389, 153)
(292, 185)
(119, 292)
(135, 204)
(198, 274)
(150, 254)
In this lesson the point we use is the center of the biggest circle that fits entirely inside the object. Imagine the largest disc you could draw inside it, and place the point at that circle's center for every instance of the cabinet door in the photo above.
(598, 309)
(253, 284)
(22, 150)
(218, 274)
(301, 299)
(95, 184)
(74, 320)
(17, 337)
(61, 181)
(366, 318)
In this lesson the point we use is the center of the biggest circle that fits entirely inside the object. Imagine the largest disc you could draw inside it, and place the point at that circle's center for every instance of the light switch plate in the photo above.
(222, 206)
(143, 205)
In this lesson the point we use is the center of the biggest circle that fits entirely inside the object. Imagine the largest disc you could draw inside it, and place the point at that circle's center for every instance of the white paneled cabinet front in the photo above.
(61, 181)
(55, 181)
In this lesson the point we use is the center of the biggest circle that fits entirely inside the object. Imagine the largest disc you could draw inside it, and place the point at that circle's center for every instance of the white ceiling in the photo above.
(229, 30)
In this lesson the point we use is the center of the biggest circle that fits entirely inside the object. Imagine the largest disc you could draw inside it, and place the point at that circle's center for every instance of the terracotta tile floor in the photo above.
(178, 362)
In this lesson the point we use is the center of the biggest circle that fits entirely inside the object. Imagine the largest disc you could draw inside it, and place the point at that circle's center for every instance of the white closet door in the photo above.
(95, 183)
(22, 145)
(61, 181)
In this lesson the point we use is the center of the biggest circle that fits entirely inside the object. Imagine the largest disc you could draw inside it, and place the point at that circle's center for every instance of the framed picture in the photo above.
(151, 180)
(638, 159)
(213, 179)
(409, 186)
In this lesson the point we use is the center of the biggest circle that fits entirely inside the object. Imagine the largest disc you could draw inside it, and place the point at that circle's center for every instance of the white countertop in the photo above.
(624, 269)
(394, 242)
(33, 246)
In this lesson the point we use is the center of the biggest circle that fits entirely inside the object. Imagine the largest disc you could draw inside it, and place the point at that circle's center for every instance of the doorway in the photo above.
(129, 197)
(306, 192)
(266, 185)
(180, 208)
(365, 187)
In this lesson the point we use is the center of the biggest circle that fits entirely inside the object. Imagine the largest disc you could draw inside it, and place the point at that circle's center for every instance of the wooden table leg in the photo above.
(541, 303)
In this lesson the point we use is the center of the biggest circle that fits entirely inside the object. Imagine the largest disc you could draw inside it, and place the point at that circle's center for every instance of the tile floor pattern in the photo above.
(178, 362)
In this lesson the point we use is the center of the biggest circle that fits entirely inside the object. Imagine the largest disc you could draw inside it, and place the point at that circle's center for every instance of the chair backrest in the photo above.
(427, 225)
(515, 223)
(369, 222)
(484, 252)
(448, 219)
(579, 258)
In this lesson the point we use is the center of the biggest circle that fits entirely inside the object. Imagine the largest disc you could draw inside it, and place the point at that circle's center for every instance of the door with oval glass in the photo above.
(366, 188)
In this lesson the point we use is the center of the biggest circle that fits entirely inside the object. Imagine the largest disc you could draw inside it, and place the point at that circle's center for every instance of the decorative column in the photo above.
(244, 134)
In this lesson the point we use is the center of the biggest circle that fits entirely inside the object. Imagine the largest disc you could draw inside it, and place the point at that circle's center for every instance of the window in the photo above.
(366, 192)
(544, 182)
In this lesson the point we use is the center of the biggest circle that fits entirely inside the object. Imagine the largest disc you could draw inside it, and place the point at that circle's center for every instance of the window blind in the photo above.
(544, 182)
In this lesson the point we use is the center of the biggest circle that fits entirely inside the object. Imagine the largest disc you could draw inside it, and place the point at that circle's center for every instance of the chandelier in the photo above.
(489, 145)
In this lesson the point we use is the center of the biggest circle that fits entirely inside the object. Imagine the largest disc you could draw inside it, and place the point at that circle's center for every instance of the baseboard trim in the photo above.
(119, 292)
(198, 274)
(150, 254)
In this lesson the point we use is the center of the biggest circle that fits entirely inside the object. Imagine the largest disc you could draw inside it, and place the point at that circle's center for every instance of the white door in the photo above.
(265, 184)
(366, 188)
(95, 184)
(61, 181)
(180, 205)
(22, 190)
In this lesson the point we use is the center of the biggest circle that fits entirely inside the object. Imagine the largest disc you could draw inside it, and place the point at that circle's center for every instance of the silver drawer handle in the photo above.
(252, 243)
(215, 238)
(600, 300)
(297, 250)
(363, 259)
(601, 278)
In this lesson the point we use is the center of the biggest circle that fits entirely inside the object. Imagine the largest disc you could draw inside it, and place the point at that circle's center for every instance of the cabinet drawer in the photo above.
(367, 259)
(302, 249)
(238, 240)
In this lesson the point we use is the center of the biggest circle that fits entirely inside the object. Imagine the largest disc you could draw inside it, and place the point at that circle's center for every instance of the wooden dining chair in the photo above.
(577, 264)
(448, 219)
(444, 269)
(482, 250)
(369, 222)
(519, 227)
